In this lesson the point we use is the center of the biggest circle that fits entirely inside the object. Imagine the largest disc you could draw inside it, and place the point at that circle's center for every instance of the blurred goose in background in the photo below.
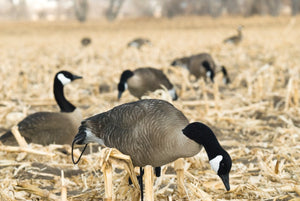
(51, 127)
(153, 132)
(143, 80)
(201, 66)
(139, 42)
(86, 41)
(237, 38)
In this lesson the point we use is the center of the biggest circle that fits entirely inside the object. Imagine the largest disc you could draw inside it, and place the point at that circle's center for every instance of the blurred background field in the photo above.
(256, 117)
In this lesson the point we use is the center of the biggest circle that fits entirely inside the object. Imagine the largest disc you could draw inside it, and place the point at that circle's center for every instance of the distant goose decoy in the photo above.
(86, 41)
(235, 39)
(153, 132)
(138, 42)
(200, 65)
(50, 127)
(143, 80)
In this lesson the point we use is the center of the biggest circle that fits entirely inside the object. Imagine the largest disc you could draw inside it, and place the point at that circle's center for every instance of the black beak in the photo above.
(79, 138)
(173, 63)
(119, 95)
(225, 179)
(75, 77)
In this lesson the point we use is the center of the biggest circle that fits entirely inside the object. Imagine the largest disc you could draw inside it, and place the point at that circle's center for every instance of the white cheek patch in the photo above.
(172, 93)
(91, 138)
(63, 79)
(125, 86)
(215, 163)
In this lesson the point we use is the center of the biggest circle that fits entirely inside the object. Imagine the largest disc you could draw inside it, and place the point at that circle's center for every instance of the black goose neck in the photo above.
(63, 103)
(125, 76)
(203, 135)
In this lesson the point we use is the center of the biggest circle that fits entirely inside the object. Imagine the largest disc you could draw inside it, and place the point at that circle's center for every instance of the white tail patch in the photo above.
(172, 93)
(63, 79)
(91, 138)
(215, 163)
(208, 73)
(185, 66)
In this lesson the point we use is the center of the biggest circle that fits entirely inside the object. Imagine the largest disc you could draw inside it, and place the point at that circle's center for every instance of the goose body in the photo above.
(153, 132)
(138, 42)
(200, 65)
(50, 127)
(86, 41)
(235, 39)
(143, 80)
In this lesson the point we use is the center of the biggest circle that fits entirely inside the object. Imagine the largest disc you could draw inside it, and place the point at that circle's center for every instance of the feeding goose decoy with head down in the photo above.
(153, 132)
(86, 41)
(236, 39)
(200, 65)
(51, 127)
(139, 42)
(143, 80)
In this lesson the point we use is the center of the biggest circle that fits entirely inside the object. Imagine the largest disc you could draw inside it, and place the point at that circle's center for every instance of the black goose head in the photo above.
(219, 159)
(209, 71)
(61, 79)
(65, 77)
(226, 78)
(122, 86)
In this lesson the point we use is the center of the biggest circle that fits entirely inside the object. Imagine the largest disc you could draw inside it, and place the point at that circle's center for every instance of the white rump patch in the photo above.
(172, 93)
(63, 79)
(184, 66)
(91, 138)
(215, 163)
(134, 44)
(208, 73)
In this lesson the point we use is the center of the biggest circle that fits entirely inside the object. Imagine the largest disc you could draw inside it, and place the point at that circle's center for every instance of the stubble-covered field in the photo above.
(256, 117)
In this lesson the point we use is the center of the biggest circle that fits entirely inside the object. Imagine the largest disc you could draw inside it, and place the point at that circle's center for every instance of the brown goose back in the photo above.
(150, 131)
(147, 79)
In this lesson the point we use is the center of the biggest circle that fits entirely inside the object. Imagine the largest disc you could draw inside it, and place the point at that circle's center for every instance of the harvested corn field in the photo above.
(256, 117)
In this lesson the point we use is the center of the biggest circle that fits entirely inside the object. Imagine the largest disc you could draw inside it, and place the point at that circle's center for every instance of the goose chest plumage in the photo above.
(143, 80)
(153, 132)
(51, 127)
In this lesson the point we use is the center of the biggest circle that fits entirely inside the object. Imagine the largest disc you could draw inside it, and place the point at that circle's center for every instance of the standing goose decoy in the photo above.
(51, 127)
(139, 42)
(235, 39)
(143, 80)
(200, 65)
(153, 132)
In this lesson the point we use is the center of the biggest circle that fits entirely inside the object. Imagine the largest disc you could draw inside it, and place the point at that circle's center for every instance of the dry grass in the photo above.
(258, 113)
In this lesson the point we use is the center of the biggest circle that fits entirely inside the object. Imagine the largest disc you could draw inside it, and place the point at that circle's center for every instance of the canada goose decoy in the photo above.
(237, 38)
(139, 42)
(153, 132)
(200, 65)
(143, 80)
(51, 127)
(86, 41)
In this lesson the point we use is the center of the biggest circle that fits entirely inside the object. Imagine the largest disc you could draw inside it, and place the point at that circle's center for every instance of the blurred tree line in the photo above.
(111, 9)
